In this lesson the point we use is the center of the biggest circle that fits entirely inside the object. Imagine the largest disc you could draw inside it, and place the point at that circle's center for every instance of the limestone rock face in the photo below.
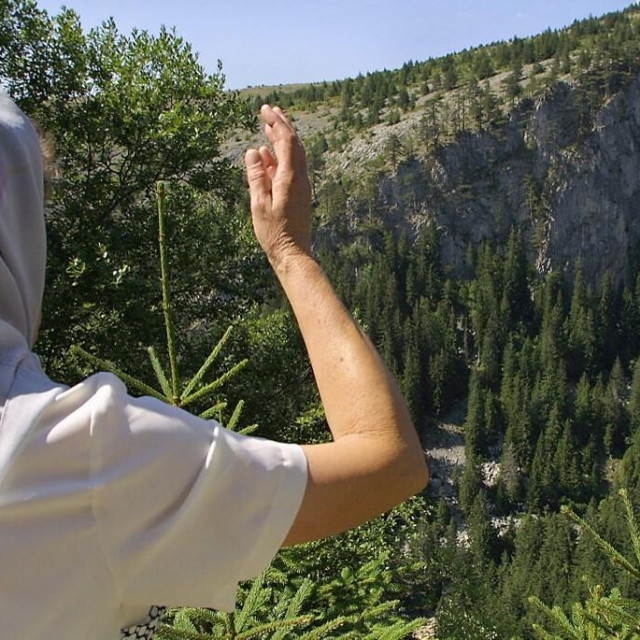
(573, 192)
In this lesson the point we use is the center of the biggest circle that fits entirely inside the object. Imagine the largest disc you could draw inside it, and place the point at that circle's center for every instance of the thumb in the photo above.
(259, 182)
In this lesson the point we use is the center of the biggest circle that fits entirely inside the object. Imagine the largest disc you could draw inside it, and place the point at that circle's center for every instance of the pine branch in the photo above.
(597, 626)
(631, 523)
(252, 602)
(109, 366)
(379, 609)
(183, 622)
(160, 374)
(213, 411)
(542, 634)
(167, 632)
(401, 630)
(235, 416)
(274, 626)
(230, 624)
(621, 617)
(247, 431)
(556, 615)
(166, 297)
(211, 387)
(321, 633)
(295, 604)
(197, 378)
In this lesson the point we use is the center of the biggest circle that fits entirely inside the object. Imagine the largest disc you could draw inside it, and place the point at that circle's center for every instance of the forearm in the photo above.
(357, 391)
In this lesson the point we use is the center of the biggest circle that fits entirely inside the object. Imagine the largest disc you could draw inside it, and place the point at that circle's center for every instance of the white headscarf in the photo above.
(24, 389)
(22, 237)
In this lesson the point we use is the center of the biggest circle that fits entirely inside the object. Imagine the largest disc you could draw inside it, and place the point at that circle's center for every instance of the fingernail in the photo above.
(252, 157)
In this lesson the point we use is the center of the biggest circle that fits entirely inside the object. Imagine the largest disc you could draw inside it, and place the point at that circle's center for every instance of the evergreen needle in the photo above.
(159, 371)
(274, 626)
(235, 417)
(212, 412)
(107, 365)
(211, 387)
(247, 431)
(197, 378)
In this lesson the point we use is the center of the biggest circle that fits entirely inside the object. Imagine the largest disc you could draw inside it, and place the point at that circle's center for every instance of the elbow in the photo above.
(413, 461)
(417, 472)
(408, 470)
(422, 473)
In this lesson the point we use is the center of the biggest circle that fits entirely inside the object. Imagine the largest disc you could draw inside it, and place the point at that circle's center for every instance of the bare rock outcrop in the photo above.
(573, 191)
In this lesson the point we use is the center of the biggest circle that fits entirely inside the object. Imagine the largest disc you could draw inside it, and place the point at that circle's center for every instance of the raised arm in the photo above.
(376, 460)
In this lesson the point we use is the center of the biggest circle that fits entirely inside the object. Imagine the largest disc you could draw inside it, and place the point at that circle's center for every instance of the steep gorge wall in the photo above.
(573, 193)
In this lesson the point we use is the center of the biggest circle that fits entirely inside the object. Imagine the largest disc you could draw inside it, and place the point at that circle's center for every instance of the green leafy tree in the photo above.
(123, 112)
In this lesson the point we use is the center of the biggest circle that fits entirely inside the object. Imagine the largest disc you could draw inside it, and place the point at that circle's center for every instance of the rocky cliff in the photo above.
(573, 190)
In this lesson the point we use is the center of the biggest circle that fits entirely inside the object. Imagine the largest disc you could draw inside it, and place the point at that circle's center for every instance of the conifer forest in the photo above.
(518, 353)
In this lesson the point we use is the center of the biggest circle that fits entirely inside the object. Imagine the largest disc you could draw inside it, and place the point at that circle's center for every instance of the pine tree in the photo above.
(394, 149)
(411, 381)
(555, 559)
(607, 320)
(511, 84)
(491, 418)
(510, 487)
(585, 419)
(581, 329)
(634, 399)
(470, 484)
(616, 423)
(629, 325)
(567, 466)
(482, 535)
(523, 578)
(475, 435)
(515, 280)
(520, 433)
(553, 337)
(544, 478)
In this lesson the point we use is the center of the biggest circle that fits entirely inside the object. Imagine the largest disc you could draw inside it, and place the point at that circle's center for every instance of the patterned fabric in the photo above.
(146, 630)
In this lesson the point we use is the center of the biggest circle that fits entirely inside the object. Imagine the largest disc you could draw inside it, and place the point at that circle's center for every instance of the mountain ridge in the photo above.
(405, 161)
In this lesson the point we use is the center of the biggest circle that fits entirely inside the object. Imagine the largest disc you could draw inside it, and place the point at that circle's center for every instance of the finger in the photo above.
(266, 156)
(269, 132)
(268, 161)
(281, 135)
(284, 118)
(274, 117)
(257, 177)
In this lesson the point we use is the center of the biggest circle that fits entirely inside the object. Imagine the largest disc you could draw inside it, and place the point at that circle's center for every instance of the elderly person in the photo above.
(110, 504)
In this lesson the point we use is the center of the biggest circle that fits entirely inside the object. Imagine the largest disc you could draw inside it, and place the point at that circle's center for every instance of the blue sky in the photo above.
(284, 41)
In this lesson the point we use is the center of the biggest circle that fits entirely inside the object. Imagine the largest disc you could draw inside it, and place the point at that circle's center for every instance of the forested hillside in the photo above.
(478, 213)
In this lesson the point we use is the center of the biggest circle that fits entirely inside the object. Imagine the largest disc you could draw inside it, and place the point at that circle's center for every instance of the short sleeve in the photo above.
(186, 509)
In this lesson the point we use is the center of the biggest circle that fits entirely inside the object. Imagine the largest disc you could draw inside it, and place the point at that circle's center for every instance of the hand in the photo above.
(279, 188)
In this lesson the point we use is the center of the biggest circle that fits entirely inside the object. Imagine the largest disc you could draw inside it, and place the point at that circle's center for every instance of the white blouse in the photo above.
(111, 504)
